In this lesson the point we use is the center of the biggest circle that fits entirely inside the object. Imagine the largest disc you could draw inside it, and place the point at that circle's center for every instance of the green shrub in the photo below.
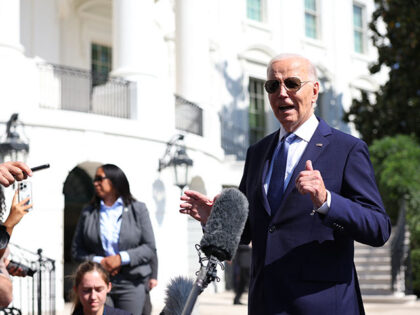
(396, 161)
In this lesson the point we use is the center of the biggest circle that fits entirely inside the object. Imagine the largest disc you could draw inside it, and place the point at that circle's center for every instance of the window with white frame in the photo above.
(311, 19)
(359, 28)
(256, 111)
(254, 10)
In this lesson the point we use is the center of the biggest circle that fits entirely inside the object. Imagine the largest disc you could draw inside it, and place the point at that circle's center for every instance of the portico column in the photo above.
(192, 50)
(16, 77)
(136, 57)
(10, 27)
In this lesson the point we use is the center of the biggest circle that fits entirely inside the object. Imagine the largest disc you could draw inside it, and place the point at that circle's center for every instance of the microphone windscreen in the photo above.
(177, 294)
(224, 227)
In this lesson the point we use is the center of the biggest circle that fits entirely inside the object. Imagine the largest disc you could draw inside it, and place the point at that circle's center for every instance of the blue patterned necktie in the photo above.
(276, 186)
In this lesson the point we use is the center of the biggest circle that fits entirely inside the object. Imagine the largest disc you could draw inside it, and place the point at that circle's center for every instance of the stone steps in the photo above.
(373, 265)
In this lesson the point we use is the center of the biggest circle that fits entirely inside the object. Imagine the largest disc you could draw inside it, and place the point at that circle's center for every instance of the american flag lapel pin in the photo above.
(319, 144)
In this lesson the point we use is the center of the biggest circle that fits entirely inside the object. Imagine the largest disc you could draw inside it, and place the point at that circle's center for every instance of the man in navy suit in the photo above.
(303, 231)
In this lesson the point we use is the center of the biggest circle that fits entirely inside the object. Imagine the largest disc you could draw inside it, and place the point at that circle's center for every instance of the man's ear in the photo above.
(315, 92)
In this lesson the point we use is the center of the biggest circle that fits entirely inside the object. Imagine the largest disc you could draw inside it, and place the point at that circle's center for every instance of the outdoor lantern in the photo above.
(176, 156)
(14, 145)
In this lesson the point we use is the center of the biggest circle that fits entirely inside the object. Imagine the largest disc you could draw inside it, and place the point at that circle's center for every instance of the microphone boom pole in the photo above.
(205, 275)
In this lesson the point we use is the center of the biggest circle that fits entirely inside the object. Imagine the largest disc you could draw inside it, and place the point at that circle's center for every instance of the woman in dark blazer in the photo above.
(115, 231)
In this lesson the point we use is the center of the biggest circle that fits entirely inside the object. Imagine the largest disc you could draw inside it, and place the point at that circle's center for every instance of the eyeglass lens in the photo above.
(98, 178)
(292, 84)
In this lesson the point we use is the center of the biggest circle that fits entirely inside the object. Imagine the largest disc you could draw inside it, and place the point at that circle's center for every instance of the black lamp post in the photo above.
(12, 146)
(176, 156)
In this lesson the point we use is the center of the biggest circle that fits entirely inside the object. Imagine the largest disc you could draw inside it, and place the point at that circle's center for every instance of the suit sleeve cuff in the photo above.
(125, 258)
(326, 205)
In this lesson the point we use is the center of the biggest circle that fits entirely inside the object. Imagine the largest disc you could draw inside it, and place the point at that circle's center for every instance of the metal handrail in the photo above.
(400, 249)
(36, 294)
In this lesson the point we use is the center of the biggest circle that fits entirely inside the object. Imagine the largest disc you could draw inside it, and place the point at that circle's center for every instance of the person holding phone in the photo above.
(115, 231)
(90, 289)
(17, 211)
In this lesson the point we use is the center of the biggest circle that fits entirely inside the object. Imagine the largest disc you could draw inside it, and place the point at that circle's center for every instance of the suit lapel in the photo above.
(267, 156)
(125, 221)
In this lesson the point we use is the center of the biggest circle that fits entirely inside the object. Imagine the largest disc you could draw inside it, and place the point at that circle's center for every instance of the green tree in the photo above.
(396, 162)
(396, 109)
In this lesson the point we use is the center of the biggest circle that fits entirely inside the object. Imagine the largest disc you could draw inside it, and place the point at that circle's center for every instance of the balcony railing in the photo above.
(234, 139)
(400, 255)
(36, 294)
(188, 116)
(70, 88)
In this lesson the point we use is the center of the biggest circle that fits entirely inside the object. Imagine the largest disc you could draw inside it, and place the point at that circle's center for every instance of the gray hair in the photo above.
(310, 67)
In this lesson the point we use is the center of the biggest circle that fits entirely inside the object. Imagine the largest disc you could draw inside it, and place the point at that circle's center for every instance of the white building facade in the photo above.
(112, 81)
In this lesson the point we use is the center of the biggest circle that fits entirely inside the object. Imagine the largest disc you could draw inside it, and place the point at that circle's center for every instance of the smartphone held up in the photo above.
(25, 186)
(25, 191)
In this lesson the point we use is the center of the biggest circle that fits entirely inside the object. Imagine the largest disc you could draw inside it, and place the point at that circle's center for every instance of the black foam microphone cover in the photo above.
(177, 293)
(224, 227)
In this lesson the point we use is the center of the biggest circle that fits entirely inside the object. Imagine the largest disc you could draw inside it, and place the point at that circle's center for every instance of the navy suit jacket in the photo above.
(303, 263)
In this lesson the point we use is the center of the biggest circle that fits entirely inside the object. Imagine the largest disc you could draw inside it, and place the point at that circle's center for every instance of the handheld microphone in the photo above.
(225, 225)
(40, 167)
(222, 234)
(177, 293)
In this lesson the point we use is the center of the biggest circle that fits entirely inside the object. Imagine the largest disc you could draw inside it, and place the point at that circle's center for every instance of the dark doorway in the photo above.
(77, 190)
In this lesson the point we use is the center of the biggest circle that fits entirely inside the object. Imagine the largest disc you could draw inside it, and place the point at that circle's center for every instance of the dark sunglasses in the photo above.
(292, 84)
(99, 178)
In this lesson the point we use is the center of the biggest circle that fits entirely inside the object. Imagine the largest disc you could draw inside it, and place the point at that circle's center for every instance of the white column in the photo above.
(137, 56)
(17, 75)
(192, 50)
(10, 26)
(132, 36)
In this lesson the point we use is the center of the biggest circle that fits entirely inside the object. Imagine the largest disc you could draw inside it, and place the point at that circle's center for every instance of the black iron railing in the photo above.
(69, 88)
(34, 294)
(188, 116)
(400, 248)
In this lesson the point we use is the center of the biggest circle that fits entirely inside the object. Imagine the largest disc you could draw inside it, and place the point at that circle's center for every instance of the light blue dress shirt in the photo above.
(110, 218)
(304, 134)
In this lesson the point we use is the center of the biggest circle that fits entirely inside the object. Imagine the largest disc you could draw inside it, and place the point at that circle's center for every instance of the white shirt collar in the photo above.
(118, 202)
(305, 131)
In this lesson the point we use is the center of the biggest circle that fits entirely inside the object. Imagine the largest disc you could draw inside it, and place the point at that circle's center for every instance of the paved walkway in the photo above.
(221, 304)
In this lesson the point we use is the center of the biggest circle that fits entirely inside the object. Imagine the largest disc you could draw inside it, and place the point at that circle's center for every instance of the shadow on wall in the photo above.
(234, 121)
(159, 196)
